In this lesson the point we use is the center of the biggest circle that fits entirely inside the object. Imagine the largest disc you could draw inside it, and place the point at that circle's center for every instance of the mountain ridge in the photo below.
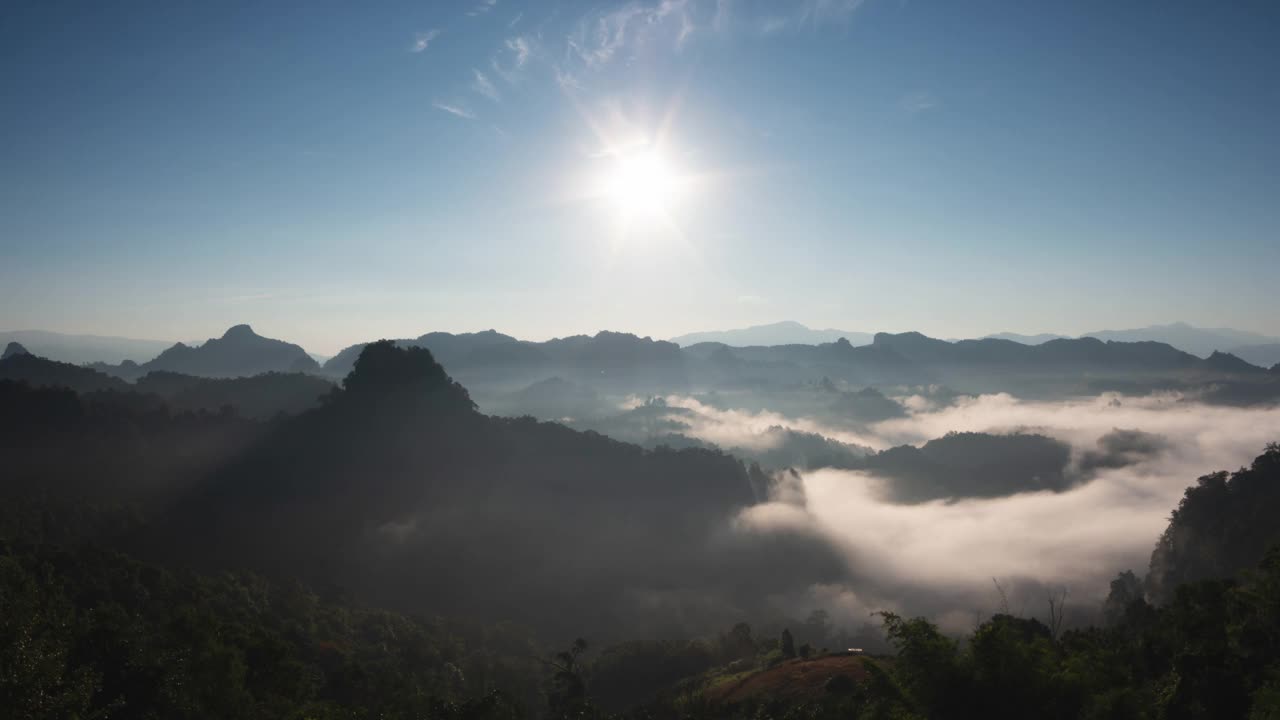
(239, 352)
(784, 332)
(85, 348)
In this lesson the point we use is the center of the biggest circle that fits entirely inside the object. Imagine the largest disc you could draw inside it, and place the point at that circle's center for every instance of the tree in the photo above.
(567, 695)
(738, 643)
(788, 644)
(1126, 590)
(817, 627)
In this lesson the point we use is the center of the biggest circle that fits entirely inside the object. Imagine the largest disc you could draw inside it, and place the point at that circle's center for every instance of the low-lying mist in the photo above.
(960, 558)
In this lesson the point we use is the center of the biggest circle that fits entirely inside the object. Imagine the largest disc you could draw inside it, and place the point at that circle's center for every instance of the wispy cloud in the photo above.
(819, 12)
(686, 29)
(567, 80)
(455, 108)
(422, 40)
(483, 8)
(724, 10)
(599, 37)
(596, 40)
(481, 84)
(627, 30)
(773, 25)
(919, 102)
(811, 14)
(504, 73)
(604, 35)
(519, 46)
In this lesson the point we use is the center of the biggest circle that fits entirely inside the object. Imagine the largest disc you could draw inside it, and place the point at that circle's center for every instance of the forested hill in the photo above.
(1224, 524)
(397, 488)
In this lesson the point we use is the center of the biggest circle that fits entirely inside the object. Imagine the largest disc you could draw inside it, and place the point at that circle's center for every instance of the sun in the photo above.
(642, 183)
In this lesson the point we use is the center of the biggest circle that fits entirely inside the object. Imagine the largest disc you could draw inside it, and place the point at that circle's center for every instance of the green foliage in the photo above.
(567, 690)
(634, 672)
(1214, 652)
(788, 645)
(93, 634)
(1223, 525)
(37, 635)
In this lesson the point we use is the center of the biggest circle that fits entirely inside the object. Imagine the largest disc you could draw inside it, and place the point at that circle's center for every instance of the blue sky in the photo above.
(333, 171)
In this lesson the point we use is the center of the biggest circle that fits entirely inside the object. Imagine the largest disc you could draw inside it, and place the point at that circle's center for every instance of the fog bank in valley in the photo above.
(953, 559)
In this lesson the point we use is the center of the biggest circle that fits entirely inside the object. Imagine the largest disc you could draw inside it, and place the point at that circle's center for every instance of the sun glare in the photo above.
(642, 184)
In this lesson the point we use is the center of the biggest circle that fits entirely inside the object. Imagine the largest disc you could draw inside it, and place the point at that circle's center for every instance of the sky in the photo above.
(332, 172)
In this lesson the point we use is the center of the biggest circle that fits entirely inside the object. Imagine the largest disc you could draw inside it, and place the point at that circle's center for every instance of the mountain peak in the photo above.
(239, 332)
(783, 332)
(384, 369)
(911, 336)
(240, 352)
(14, 349)
(1226, 362)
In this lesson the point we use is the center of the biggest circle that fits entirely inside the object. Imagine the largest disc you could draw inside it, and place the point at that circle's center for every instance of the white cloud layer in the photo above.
(940, 558)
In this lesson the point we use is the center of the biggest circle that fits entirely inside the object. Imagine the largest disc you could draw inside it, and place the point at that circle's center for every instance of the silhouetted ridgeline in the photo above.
(397, 486)
(109, 446)
(12, 349)
(239, 352)
(81, 349)
(1195, 340)
(260, 396)
(505, 373)
(787, 332)
(496, 367)
(1264, 355)
(617, 361)
(1056, 368)
(18, 364)
(257, 396)
(505, 517)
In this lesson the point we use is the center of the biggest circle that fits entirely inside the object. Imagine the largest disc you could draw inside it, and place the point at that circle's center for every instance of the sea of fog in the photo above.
(961, 559)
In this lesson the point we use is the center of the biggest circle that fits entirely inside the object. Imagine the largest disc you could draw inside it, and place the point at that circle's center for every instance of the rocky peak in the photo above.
(14, 349)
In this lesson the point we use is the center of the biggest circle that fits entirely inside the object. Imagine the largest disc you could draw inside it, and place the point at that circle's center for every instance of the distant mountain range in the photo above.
(1256, 348)
(1197, 341)
(512, 376)
(18, 364)
(787, 332)
(240, 352)
(1265, 355)
(1253, 347)
(1025, 339)
(263, 395)
(610, 358)
(81, 349)
(786, 350)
